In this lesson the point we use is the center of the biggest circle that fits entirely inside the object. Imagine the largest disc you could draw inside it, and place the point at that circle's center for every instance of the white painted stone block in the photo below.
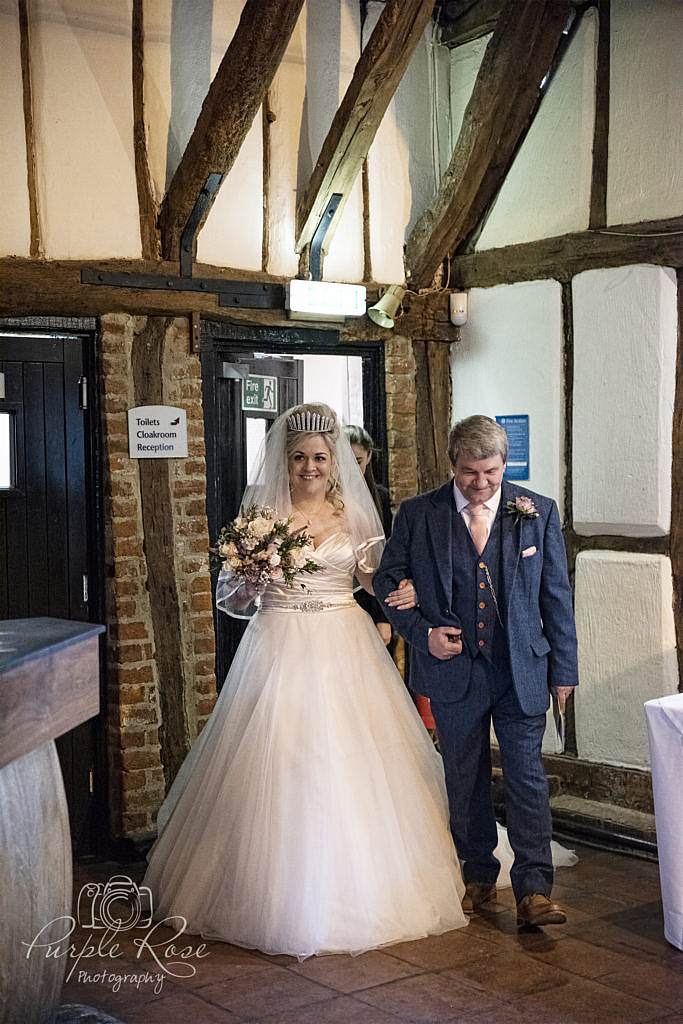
(547, 191)
(645, 168)
(627, 651)
(624, 373)
(510, 361)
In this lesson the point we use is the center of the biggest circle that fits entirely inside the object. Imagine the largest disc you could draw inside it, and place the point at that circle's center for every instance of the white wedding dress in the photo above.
(310, 815)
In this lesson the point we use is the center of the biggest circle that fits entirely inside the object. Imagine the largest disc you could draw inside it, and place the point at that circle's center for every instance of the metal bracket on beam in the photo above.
(320, 233)
(188, 239)
(249, 294)
(245, 294)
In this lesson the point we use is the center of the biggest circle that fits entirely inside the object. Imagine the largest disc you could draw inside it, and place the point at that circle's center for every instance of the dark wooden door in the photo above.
(239, 433)
(44, 515)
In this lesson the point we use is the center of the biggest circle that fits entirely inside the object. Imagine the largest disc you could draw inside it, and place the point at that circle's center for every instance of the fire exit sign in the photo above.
(259, 394)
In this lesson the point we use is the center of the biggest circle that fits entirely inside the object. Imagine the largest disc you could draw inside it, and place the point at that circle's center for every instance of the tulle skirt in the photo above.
(311, 814)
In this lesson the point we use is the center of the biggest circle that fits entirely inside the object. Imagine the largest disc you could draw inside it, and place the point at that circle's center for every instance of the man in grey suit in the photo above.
(493, 633)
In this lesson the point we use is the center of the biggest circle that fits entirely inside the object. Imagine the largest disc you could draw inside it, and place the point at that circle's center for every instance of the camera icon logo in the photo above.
(119, 904)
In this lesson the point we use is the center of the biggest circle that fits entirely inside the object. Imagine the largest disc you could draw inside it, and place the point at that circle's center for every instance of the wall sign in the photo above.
(517, 430)
(259, 394)
(157, 432)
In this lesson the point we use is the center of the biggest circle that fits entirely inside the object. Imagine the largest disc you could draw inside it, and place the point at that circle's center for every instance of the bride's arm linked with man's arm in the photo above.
(443, 642)
(403, 597)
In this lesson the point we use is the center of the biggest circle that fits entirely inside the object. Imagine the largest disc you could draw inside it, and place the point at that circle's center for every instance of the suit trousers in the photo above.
(464, 728)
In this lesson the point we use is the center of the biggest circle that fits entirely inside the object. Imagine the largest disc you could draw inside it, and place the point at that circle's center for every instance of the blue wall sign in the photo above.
(517, 430)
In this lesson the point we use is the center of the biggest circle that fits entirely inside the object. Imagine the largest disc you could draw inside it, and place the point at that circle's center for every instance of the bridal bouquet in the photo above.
(260, 548)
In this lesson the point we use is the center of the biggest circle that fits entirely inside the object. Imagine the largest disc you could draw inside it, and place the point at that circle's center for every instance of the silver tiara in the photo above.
(310, 422)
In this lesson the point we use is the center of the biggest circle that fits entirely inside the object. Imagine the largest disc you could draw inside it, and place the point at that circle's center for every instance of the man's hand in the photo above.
(562, 692)
(445, 642)
(384, 630)
(403, 598)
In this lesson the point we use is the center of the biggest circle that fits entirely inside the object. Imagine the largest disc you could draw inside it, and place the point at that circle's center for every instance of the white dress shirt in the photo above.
(462, 502)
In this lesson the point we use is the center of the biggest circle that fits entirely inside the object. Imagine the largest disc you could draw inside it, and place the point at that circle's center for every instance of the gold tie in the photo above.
(479, 525)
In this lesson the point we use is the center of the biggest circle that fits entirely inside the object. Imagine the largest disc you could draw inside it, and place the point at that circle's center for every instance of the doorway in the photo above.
(250, 376)
(50, 521)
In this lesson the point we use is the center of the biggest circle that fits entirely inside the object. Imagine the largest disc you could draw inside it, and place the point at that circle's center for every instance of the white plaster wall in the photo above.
(627, 652)
(625, 323)
(645, 170)
(15, 228)
(233, 233)
(287, 102)
(547, 190)
(464, 68)
(332, 51)
(157, 88)
(81, 55)
(409, 153)
(509, 362)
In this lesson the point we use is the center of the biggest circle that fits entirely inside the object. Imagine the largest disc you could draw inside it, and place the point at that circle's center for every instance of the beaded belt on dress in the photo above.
(310, 605)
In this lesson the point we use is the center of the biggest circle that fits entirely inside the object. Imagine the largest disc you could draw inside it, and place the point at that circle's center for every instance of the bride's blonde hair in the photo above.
(333, 493)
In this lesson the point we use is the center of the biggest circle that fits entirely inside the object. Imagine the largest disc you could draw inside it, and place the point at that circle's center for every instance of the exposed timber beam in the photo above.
(519, 55)
(36, 242)
(657, 242)
(147, 205)
(433, 411)
(232, 102)
(598, 207)
(54, 288)
(375, 80)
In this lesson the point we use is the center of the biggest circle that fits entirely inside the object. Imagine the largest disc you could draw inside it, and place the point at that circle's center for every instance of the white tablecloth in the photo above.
(665, 727)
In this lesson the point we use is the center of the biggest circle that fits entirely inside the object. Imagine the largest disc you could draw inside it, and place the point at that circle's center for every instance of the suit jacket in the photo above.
(536, 599)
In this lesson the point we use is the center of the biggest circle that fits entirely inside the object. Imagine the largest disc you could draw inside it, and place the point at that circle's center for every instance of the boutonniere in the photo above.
(521, 508)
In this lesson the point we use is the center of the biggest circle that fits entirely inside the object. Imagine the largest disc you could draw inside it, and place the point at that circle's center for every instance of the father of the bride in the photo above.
(493, 632)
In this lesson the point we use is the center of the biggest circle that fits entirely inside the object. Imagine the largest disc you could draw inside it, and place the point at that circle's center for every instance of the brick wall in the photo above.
(137, 783)
(401, 426)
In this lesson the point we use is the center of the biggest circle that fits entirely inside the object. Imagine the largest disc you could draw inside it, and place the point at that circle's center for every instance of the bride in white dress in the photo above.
(310, 815)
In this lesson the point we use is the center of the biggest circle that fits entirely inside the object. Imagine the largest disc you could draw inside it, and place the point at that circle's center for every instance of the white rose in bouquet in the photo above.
(261, 527)
(299, 557)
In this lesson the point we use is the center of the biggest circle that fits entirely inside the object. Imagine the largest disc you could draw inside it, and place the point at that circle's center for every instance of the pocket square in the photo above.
(528, 552)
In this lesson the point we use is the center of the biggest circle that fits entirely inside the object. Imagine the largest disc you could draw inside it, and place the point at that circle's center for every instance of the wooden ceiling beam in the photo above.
(54, 288)
(506, 94)
(561, 257)
(381, 66)
(231, 104)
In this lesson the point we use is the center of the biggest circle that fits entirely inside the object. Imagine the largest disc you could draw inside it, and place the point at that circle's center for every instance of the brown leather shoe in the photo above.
(476, 895)
(537, 909)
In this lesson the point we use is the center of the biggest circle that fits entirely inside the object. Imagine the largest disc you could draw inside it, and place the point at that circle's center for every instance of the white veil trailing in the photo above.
(269, 486)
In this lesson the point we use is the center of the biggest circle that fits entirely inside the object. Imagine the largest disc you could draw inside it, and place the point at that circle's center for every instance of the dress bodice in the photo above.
(330, 587)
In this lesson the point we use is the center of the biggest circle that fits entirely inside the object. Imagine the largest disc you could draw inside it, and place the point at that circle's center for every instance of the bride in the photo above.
(310, 815)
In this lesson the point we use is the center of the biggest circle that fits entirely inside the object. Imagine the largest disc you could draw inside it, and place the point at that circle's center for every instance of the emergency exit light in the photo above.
(324, 300)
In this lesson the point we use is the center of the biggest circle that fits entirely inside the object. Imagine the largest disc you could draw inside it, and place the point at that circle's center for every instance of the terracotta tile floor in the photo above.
(611, 964)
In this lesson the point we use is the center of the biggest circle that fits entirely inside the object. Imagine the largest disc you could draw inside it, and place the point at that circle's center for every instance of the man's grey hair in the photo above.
(478, 437)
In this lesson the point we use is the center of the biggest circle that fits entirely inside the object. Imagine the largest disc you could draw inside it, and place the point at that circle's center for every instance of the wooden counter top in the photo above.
(49, 681)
